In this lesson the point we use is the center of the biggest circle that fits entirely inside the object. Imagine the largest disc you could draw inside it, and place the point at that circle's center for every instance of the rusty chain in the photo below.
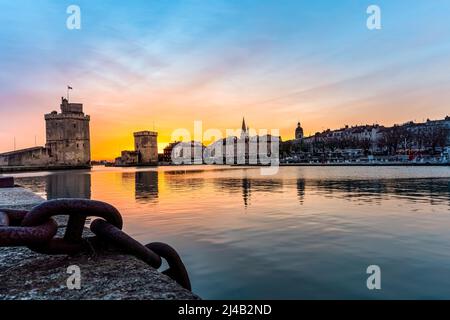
(37, 230)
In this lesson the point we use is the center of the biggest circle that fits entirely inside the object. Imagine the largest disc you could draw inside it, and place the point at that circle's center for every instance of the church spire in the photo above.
(244, 127)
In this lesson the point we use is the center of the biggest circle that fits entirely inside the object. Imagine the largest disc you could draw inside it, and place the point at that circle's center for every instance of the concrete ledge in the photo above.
(25, 275)
(18, 198)
(13, 169)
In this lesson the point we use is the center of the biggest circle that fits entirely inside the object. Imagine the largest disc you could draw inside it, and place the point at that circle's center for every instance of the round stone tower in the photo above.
(146, 144)
(68, 137)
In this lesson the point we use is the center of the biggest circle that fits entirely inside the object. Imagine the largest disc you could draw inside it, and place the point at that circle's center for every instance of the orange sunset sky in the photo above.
(155, 65)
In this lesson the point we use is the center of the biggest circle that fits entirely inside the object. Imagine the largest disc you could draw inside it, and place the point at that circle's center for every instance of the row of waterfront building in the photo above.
(417, 135)
(412, 140)
(68, 144)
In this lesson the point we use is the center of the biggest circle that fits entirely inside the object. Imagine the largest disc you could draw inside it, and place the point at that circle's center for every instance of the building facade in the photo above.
(146, 145)
(167, 153)
(247, 149)
(68, 136)
(411, 139)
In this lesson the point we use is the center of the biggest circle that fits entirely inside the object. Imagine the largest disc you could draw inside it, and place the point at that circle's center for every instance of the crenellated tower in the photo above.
(146, 144)
(68, 136)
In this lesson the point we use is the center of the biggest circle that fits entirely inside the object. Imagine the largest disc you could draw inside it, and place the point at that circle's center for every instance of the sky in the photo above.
(161, 65)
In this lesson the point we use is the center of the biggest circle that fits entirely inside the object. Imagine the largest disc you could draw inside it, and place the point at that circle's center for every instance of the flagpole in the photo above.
(67, 93)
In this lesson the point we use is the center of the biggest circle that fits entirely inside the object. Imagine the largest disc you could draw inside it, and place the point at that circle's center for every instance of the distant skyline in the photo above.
(162, 65)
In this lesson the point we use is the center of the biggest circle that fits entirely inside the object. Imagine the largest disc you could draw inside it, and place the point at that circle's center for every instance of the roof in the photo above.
(9, 153)
(145, 133)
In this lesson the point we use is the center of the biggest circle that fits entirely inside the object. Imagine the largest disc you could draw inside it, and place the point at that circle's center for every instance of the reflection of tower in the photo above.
(301, 190)
(146, 186)
(299, 132)
(68, 185)
(246, 191)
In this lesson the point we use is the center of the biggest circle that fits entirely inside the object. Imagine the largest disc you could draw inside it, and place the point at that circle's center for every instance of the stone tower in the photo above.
(146, 144)
(299, 132)
(68, 137)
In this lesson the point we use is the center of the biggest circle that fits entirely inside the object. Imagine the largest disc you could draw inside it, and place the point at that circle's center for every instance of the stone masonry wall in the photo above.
(68, 139)
(146, 143)
(27, 157)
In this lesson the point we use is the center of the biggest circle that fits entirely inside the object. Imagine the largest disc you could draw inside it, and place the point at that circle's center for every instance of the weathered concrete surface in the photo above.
(18, 198)
(25, 275)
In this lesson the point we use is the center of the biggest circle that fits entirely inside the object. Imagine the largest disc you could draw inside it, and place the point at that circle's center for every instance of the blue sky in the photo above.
(136, 63)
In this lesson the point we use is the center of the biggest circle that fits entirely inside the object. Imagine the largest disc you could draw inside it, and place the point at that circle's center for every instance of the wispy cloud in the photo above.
(170, 63)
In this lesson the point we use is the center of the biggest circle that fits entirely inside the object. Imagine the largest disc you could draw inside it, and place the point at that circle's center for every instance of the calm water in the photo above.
(305, 233)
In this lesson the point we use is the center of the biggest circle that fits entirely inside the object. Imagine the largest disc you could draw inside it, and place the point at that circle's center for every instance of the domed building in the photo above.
(299, 132)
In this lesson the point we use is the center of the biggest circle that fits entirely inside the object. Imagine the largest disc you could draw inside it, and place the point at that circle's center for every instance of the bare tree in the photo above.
(435, 136)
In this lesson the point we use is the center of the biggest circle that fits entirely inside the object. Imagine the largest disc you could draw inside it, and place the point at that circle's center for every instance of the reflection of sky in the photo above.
(305, 233)
(169, 63)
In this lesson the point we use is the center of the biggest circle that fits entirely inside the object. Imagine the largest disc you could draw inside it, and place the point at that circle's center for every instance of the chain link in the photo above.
(37, 230)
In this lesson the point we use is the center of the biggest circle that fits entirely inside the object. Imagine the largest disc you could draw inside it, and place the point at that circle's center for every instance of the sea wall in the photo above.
(25, 275)
(27, 157)
(16, 169)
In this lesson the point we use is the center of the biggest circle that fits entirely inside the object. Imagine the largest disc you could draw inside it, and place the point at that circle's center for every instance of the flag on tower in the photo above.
(68, 88)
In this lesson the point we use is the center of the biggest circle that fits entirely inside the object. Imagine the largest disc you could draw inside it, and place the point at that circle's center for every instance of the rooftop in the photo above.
(20, 151)
(145, 133)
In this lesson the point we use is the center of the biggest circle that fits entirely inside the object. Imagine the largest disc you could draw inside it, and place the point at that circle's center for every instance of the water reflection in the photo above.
(184, 181)
(146, 186)
(301, 190)
(246, 186)
(68, 186)
(222, 220)
(246, 190)
(431, 191)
